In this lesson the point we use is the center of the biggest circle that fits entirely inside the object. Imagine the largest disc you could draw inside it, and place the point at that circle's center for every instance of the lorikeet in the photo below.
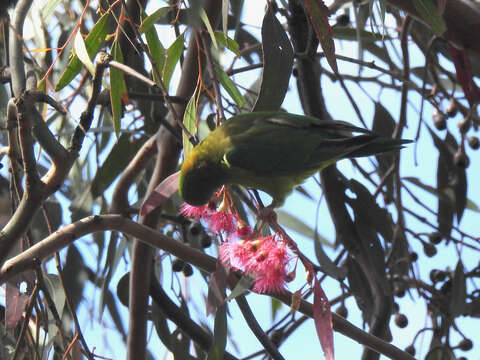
(273, 152)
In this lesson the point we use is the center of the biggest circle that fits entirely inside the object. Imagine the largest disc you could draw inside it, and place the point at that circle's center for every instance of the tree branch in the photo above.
(69, 233)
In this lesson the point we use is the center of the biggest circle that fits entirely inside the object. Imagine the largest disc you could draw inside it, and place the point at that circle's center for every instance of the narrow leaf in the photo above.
(81, 52)
(217, 288)
(230, 87)
(219, 335)
(160, 194)
(225, 16)
(48, 9)
(204, 17)
(322, 316)
(173, 55)
(459, 292)
(243, 285)
(327, 266)
(55, 288)
(118, 88)
(299, 226)
(345, 33)
(15, 303)
(318, 14)
(229, 43)
(120, 155)
(190, 123)
(428, 11)
(384, 124)
(463, 68)
(150, 20)
(92, 42)
(156, 50)
(277, 64)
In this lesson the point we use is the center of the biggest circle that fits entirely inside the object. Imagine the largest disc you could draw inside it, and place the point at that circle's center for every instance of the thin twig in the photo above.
(28, 313)
(213, 76)
(253, 324)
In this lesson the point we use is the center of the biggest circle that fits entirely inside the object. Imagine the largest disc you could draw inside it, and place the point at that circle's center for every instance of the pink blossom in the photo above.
(195, 212)
(243, 230)
(236, 254)
(267, 258)
(274, 280)
(222, 221)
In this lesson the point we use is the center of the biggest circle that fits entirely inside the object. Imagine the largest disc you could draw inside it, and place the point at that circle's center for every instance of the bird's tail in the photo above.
(379, 145)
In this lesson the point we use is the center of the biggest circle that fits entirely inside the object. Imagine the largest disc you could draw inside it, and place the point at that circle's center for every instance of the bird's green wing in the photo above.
(285, 144)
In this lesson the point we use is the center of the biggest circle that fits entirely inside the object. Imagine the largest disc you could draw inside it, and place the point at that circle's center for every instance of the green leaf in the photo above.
(120, 156)
(48, 9)
(384, 124)
(428, 11)
(230, 87)
(472, 206)
(114, 255)
(160, 322)
(156, 50)
(345, 33)
(204, 17)
(444, 195)
(242, 287)
(327, 265)
(118, 88)
(56, 291)
(229, 43)
(276, 306)
(92, 42)
(219, 334)
(297, 225)
(445, 169)
(190, 122)
(318, 14)
(459, 291)
(148, 22)
(277, 64)
(81, 52)
(173, 55)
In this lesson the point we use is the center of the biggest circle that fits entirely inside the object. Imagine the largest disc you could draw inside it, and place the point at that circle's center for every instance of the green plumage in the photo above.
(273, 152)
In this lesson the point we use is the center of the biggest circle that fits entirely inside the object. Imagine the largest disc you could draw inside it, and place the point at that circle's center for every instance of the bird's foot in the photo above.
(268, 214)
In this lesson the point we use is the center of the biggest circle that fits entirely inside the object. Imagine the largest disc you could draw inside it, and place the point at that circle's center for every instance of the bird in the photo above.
(272, 152)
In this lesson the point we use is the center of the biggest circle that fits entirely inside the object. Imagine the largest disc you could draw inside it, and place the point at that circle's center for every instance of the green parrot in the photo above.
(272, 152)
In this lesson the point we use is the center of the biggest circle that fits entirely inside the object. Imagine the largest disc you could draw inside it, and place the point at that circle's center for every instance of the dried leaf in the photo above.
(463, 68)
(15, 304)
(322, 316)
(217, 288)
(318, 14)
(160, 194)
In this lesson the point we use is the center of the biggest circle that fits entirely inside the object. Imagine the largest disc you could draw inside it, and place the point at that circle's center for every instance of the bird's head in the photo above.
(199, 179)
